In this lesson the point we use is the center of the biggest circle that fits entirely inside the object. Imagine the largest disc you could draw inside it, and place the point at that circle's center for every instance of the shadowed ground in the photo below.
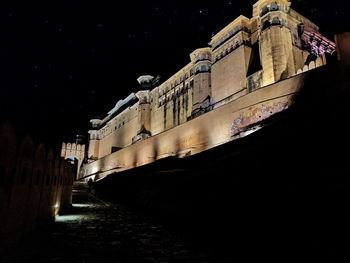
(95, 231)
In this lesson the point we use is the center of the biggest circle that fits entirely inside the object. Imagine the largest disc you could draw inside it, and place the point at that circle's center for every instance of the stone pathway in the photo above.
(95, 231)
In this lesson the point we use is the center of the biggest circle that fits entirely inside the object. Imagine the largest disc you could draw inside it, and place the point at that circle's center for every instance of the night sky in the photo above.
(65, 62)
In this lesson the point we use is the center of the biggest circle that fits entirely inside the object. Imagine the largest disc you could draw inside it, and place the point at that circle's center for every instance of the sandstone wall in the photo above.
(34, 185)
(214, 128)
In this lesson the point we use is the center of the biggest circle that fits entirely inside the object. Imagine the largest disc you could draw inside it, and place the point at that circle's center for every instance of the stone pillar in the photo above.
(144, 116)
(202, 78)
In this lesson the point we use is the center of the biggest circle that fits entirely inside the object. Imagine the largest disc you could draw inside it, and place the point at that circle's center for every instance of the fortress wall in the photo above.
(157, 119)
(20, 188)
(119, 132)
(46, 202)
(202, 88)
(207, 131)
(35, 191)
(163, 118)
(93, 149)
(28, 190)
(221, 72)
(229, 74)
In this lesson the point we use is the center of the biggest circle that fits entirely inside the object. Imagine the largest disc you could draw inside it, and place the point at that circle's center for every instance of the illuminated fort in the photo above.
(251, 70)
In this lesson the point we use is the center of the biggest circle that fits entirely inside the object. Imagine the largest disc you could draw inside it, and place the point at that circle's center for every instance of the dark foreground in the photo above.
(95, 231)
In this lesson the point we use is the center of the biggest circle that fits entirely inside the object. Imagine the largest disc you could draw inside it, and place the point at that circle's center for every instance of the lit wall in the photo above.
(207, 131)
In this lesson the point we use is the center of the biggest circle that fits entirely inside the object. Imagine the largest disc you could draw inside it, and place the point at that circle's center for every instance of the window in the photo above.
(276, 21)
(274, 7)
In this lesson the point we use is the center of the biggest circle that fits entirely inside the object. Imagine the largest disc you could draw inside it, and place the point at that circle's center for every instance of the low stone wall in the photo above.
(35, 184)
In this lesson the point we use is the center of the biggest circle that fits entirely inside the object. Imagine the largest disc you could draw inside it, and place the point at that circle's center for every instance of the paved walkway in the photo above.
(95, 231)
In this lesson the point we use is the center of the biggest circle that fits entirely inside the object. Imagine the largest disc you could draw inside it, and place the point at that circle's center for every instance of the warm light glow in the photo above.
(248, 132)
(226, 92)
(57, 208)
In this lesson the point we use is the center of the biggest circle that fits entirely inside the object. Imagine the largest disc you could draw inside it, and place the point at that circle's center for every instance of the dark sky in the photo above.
(64, 62)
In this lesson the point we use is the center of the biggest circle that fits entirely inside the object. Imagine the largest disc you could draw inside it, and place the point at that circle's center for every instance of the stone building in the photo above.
(274, 45)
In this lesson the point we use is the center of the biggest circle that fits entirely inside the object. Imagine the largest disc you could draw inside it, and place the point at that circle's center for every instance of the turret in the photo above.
(231, 52)
(94, 140)
(201, 58)
(144, 110)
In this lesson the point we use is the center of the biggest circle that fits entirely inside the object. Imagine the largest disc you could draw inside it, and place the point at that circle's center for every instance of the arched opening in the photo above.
(276, 21)
(274, 7)
(75, 165)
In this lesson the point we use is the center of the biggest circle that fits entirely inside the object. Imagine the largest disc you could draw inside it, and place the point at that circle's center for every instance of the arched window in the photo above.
(275, 21)
(274, 7)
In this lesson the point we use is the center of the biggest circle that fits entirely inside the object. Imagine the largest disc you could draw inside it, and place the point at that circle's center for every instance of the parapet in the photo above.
(239, 24)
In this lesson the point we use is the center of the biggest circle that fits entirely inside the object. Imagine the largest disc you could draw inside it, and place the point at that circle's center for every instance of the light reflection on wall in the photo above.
(81, 205)
(70, 218)
(57, 208)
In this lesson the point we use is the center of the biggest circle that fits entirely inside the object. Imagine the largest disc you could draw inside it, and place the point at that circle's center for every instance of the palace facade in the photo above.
(249, 71)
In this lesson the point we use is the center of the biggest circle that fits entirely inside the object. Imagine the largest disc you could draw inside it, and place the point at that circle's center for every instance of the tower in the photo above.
(275, 29)
(201, 58)
(146, 83)
(94, 140)
(231, 51)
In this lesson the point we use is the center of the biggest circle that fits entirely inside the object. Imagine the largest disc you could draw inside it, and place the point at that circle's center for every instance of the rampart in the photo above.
(35, 184)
